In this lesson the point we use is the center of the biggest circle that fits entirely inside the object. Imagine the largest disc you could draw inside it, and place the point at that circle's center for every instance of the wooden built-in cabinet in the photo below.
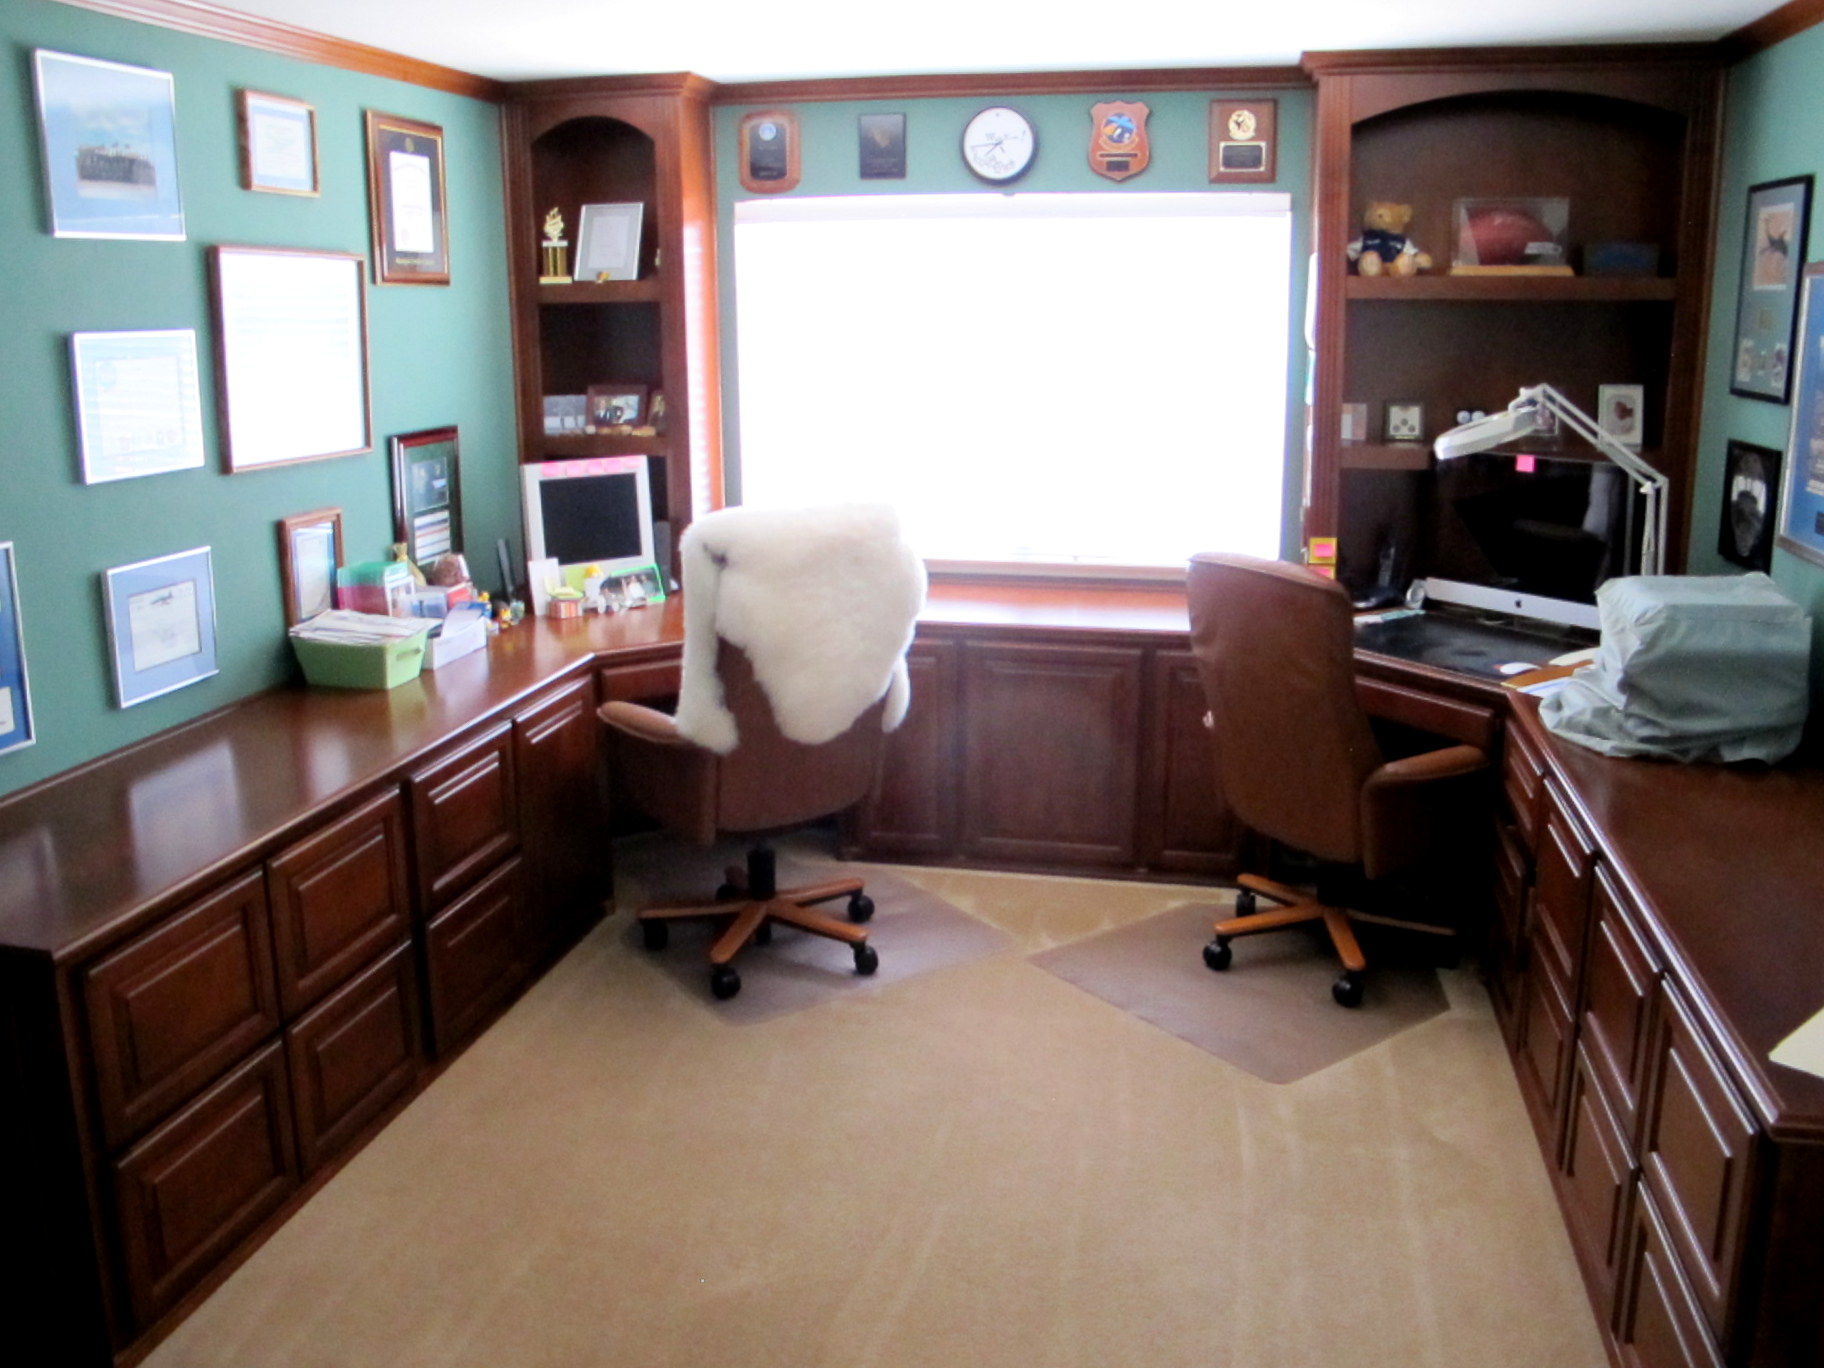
(1628, 137)
(639, 140)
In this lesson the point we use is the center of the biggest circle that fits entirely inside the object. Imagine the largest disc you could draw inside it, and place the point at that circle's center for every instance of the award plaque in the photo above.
(1243, 135)
(1118, 146)
(769, 151)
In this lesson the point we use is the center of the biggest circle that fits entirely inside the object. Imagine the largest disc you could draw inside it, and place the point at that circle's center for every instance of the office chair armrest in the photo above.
(1410, 813)
(642, 723)
(1447, 763)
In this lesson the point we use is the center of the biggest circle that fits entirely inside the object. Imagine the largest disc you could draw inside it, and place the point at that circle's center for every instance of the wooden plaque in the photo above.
(769, 151)
(1244, 138)
(1118, 146)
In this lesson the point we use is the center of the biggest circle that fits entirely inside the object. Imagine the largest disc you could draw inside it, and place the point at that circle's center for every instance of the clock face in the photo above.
(1242, 124)
(999, 144)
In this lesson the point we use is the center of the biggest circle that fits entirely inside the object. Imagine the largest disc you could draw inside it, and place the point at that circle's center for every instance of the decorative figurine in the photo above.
(1383, 248)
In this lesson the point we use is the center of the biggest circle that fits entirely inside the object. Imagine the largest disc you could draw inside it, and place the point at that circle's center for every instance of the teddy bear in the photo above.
(1383, 247)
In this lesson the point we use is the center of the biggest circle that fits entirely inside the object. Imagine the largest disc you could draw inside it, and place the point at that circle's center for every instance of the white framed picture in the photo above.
(1620, 413)
(608, 242)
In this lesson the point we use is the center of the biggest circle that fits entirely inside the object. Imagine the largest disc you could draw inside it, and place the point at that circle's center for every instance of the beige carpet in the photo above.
(979, 1167)
(1270, 1012)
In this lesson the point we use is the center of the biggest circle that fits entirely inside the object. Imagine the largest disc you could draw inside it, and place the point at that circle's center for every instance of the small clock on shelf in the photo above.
(999, 144)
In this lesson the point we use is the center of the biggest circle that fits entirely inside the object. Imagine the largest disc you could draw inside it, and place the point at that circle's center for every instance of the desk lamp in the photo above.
(1529, 413)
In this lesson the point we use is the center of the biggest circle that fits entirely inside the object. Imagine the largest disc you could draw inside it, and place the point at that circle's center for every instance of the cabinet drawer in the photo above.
(1697, 1149)
(1469, 723)
(1561, 887)
(1620, 974)
(479, 951)
(338, 899)
(465, 817)
(1599, 1174)
(1522, 783)
(647, 682)
(202, 1182)
(354, 1053)
(173, 1008)
(557, 753)
(1657, 1322)
(1512, 872)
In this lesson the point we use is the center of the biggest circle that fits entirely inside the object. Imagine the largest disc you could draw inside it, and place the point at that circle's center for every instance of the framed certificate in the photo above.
(139, 409)
(161, 624)
(278, 145)
(427, 494)
(15, 697)
(405, 204)
(310, 553)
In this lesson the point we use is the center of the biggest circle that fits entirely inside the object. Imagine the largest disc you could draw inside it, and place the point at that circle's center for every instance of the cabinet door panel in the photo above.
(1050, 740)
(465, 817)
(479, 951)
(1543, 1061)
(338, 899)
(354, 1053)
(1697, 1149)
(1522, 783)
(1599, 1176)
(1620, 975)
(199, 1184)
(1561, 888)
(912, 807)
(556, 745)
(176, 1006)
(1185, 821)
(1658, 1323)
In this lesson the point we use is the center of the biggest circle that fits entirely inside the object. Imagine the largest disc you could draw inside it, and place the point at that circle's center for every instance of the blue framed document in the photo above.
(161, 624)
(1802, 488)
(15, 697)
(110, 148)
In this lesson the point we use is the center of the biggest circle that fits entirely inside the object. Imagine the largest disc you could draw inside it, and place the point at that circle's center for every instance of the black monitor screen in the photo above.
(1558, 529)
(591, 518)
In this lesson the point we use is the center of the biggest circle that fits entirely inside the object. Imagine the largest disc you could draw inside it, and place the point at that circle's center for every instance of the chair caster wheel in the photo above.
(866, 959)
(655, 935)
(727, 892)
(1246, 904)
(861, 907)
(1347, 990)
(1217, 953)
(724, 982)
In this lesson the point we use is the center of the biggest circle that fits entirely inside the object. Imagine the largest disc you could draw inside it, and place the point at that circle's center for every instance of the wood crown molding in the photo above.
(1381, 61)
(229, 26)
(1776, 26)
(990, 84)
(682, 84)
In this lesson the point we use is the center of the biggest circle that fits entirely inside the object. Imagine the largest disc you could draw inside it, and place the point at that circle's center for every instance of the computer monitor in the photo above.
(1533, 536)
(593, 511)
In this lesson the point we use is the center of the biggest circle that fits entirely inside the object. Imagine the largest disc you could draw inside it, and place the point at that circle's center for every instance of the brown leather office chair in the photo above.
(745, 773)
(1296, 756)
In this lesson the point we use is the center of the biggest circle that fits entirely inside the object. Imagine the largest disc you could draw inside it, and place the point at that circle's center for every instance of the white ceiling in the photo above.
(748, 40)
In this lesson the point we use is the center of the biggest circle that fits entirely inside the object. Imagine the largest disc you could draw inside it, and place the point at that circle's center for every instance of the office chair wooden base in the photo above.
(751, 919)
(1300, 908)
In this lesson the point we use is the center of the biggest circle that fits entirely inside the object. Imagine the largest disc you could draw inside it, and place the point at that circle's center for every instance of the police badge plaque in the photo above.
(1117, 142)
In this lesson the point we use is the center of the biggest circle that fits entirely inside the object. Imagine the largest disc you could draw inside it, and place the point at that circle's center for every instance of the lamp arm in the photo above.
(1653, 483)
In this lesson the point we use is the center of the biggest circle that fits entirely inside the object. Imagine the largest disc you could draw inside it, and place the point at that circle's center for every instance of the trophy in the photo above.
(555, 246)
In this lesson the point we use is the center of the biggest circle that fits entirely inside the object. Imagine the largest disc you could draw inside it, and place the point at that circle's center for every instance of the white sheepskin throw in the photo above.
(822, 600)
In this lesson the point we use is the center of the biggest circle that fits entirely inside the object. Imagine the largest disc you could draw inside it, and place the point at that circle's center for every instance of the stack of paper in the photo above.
(358, 629)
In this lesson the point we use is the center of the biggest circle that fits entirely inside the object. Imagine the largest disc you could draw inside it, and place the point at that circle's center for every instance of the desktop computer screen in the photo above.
(594, 511)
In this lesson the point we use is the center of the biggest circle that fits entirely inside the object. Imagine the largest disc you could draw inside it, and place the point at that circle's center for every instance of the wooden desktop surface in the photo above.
(1730, 858)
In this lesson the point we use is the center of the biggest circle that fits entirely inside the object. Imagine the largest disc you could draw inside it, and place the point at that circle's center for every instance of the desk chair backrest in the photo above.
(1275, 648)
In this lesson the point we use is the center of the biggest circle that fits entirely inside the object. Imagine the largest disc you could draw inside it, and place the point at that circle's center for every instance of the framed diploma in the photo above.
(161, 624)
(139, 409)
(278, 145)
(405, 204)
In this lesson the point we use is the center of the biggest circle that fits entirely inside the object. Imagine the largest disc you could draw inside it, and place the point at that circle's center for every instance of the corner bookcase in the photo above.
(1628, 137)
(611, 140)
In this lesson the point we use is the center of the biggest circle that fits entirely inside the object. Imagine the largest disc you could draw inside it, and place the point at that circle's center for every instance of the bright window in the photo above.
(1080, 379)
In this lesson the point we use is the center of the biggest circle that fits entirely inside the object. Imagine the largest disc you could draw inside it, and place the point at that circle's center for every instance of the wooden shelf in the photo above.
(645, 291)
(1386, 455)
(1514, 289)
(602, 444)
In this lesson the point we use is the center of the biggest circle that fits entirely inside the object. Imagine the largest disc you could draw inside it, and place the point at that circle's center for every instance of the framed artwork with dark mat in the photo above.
(1751, 483)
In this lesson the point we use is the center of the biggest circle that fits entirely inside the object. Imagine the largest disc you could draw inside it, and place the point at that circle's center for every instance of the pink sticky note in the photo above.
(1524, 464)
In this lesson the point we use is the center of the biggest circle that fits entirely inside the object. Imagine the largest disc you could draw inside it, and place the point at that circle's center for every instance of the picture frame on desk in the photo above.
(427, 493)
(16, 730)
(161, 624)
(608, 242)
(405, 206)
(310, 553)
(1767, 300)
(615, 405)
(1801, 522)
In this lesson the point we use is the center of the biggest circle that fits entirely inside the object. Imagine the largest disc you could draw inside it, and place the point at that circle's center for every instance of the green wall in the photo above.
(438, 356)
(1179, 133)
(1773, 129)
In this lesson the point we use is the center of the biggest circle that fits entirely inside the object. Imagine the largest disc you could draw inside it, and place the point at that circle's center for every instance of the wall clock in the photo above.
(999, 144)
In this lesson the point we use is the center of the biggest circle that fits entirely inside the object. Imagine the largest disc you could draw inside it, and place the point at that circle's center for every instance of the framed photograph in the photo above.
(427, 494)
(616, 406)
(1404, 422)
(278, 144)
(1751, 484)
(769, 151)
(608, 242)
(405, 202)
(161, 624)
(15, 695)
(1801, 522)
(1767, 306)
(310, 553)
(291, 334)
(882, 139)
(109, 135)
(139, 409)
(1620, 413)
